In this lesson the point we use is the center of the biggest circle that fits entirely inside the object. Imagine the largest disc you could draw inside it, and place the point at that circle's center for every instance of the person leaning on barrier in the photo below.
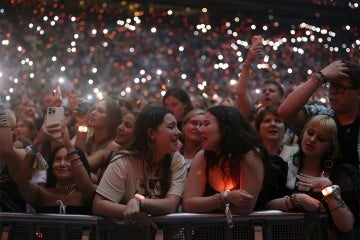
(147, 178)
(313, 180)
(228, 173)
(271, 130)
(124, 137)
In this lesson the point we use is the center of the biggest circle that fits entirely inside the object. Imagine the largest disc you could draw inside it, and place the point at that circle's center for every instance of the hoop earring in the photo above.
(328, 164)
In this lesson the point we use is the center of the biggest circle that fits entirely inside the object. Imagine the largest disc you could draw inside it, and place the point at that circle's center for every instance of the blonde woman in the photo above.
(313, 181)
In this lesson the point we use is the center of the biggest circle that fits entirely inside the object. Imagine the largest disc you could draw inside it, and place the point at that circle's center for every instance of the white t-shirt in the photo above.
(126, 176)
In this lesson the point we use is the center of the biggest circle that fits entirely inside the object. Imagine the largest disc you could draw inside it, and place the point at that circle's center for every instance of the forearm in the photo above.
(296, 100)
(163, 206)
(81, 175)
(30, 192)
(244, 99)
(98, 158)
(104, 207)
(200, 204)
(340, 213)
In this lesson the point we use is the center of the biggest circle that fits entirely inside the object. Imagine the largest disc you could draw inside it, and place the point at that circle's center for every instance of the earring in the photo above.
(328, 164)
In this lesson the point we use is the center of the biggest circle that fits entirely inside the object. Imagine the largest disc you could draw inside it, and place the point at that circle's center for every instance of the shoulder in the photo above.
(253, 158)
(121, 161)
(176, 156)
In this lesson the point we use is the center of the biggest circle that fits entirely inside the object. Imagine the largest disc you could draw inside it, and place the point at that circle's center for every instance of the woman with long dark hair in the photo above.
(149, 176)
(228, 173)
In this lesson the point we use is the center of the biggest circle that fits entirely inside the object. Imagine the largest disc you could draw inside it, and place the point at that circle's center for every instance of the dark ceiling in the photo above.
(288, 11)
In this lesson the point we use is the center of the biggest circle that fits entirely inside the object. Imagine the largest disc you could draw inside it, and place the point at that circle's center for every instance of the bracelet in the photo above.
(295, 202)
(285, 204)
(340, 205)
(71, 153)
(219, 203)
(228, 215)
(225, 201)
(322, 75)
(31, 149)
(74, 159)
(3, 115)
(224, 197)
(333, 190)
(318, 78)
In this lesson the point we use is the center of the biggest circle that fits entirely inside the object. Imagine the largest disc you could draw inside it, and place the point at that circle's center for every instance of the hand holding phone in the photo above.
(257, 39)
(56, 96)
(55, 115)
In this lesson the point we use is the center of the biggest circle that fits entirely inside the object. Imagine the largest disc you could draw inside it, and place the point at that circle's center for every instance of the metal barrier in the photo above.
(268, 225)
(17, 226)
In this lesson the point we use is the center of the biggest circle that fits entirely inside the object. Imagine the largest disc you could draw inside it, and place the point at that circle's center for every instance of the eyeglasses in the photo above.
(194, 123)
(338, 88)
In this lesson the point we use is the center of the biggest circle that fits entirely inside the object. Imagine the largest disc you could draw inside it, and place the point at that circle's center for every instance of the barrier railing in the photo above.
(266, 225)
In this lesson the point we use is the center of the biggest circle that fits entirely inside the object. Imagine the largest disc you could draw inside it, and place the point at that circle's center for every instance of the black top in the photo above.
(69, 210)
(10, 198)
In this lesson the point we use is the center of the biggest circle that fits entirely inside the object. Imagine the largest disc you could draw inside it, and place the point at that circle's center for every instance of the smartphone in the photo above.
(83, 107)
(57, 93)
(54, 115)
(257, 39)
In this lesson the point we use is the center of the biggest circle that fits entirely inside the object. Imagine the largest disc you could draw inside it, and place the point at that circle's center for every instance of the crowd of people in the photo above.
(137, 51)
(285, 150)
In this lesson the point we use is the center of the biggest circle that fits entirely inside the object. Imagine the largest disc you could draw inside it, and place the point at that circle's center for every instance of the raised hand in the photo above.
(335, 70)
(315, 183)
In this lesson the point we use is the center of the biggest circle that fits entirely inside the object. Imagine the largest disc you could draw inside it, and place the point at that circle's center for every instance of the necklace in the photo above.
(68, 187)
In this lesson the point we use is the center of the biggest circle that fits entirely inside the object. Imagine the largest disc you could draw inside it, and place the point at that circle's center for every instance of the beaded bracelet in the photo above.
(295, 202)
(71, 153)
(219, 203)
(3, 116)
(74, 159)
(285, 204)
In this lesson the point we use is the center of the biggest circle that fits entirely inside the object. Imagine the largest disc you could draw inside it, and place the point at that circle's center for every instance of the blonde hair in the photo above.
(327, 125)
(193, 113)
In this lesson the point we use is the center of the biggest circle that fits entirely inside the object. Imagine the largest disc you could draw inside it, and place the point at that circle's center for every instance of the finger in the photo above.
(153, 225)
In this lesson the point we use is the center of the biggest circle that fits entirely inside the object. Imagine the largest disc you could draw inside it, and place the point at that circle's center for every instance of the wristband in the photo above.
(333, 190)
(68, 154)
(225, 199)
(318, 77)
(3, 116)
(31, 149)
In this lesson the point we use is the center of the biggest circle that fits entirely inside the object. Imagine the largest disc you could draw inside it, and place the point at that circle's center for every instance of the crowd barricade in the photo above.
(268, 225)
(19, 226)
